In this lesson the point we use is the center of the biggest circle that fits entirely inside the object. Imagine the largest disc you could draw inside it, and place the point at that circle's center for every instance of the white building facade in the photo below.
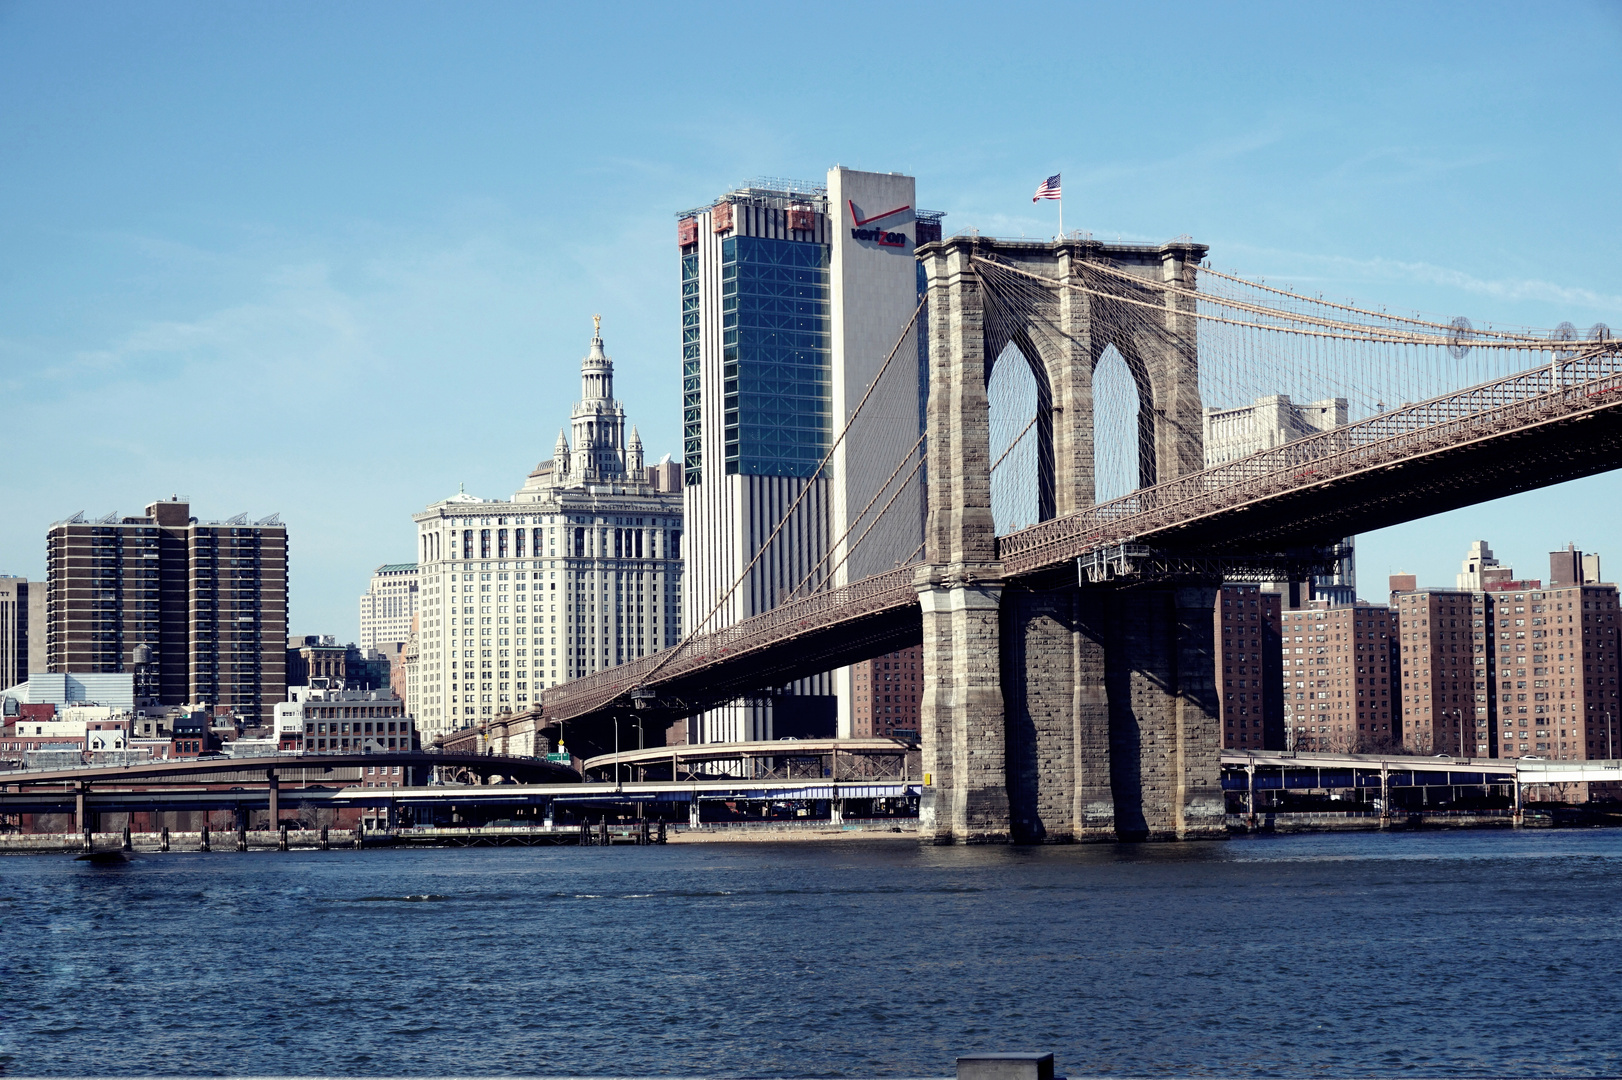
(1270, 422)
(793, 296)
(387, 609)
(319, 719)
(579, 571)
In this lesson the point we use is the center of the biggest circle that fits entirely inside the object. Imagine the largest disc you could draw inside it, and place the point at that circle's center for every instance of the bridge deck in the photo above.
(1542, 426)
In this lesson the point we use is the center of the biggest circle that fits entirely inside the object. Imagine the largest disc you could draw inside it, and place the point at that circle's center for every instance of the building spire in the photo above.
(596, 370)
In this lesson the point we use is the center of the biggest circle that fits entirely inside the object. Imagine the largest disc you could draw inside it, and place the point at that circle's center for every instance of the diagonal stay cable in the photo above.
(877, 518)
(859, 517)
(670, 653)
(1023, 432)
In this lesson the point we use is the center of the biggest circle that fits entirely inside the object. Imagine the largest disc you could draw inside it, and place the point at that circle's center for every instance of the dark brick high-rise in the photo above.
(209, 598)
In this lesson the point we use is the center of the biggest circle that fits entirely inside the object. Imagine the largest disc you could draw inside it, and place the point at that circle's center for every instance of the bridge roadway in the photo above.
(45, 800)
(1543, 426)
(227, 770)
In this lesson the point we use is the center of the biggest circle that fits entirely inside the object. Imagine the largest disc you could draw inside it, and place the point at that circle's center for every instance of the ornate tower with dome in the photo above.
(580, 570)
(601, 453)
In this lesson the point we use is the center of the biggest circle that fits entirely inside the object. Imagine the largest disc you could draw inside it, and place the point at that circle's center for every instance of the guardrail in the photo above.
(888, 591)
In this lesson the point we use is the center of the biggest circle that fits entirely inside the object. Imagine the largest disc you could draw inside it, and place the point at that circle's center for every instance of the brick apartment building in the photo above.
(1248, 669)
(1557, 652)
(1512, 668)
(1438, 689)
(208, 598)
(1338, 664)
(884, 693)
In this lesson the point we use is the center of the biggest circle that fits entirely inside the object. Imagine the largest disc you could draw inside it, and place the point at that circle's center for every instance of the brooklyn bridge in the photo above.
(1069, 691)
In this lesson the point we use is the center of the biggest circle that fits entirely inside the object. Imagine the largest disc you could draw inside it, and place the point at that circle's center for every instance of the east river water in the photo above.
(1428, 954)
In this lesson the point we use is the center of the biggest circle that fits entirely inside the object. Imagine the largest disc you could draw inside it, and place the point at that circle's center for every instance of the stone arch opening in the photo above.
(1123, 427)
(1019, 392)
(1012, 394)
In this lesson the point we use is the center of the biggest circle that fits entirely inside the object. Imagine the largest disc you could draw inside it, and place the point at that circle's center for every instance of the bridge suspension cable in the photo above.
(851, 525)
(871, 525)
(698, 628)
(1419, 393)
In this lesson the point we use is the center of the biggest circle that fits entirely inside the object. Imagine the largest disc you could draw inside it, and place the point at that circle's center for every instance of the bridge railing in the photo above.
(1565, 386)
(880, 592)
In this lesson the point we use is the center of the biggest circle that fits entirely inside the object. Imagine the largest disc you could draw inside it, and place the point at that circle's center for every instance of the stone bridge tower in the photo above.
(1052, 711)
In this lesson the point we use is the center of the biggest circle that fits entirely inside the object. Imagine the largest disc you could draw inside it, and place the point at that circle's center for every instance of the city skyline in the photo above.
(290, 294)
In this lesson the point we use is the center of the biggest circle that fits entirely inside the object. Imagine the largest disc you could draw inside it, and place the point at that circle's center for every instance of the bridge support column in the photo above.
(1165, 746)
(275, 799)
(965, 796)
(1058, 717)
(1112, 714)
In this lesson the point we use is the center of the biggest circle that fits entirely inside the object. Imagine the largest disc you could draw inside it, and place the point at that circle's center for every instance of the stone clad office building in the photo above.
(580, 570)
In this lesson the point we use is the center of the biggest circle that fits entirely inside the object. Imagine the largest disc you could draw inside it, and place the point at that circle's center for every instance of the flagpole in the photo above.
(1061, 210)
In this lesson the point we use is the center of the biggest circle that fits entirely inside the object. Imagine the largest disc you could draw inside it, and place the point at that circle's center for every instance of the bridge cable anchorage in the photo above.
(646, 668)
(882, 488)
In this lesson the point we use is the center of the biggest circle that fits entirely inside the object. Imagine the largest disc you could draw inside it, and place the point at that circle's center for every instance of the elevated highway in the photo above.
(291, 767)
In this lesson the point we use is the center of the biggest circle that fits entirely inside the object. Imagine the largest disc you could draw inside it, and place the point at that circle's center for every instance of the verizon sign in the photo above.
(879, 235)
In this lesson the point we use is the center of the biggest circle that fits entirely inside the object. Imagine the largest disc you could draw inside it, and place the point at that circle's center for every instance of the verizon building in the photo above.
(793, 295)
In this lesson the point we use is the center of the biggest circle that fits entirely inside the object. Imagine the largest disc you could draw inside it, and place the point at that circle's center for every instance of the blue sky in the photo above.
(289, 257)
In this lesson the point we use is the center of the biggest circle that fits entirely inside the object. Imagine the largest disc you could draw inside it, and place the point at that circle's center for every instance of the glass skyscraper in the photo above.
(788, 310)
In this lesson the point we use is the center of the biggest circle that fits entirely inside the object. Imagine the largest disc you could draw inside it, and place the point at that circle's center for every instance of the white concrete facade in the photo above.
(1270, 422)
(1477, 559)
(388, 607)
(580, 570)
(116, 690)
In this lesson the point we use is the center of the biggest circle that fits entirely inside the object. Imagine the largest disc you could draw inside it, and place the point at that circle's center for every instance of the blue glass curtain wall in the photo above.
(776, 356)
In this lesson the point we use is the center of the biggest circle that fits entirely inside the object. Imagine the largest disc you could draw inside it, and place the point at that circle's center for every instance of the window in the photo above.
(776, 359)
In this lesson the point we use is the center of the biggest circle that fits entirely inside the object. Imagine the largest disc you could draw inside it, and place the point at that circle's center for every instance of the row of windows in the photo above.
(692, 419)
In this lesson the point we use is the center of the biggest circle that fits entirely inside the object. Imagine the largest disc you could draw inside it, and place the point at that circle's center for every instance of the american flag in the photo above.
(1048, 189)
